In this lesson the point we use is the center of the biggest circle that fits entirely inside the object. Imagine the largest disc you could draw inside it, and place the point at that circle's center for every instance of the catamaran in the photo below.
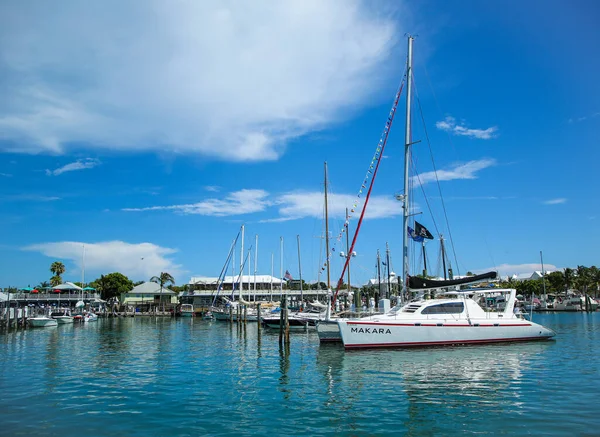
(458, 316)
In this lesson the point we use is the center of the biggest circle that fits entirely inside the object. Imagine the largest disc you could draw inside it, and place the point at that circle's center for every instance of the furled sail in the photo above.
(416, 283)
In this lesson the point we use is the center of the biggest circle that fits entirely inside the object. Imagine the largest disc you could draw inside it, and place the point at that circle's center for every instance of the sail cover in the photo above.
(416, 283)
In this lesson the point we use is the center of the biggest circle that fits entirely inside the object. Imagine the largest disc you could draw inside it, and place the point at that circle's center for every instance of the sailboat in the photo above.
(456, 318)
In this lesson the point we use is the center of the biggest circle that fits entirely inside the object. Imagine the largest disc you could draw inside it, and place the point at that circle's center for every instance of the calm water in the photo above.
(159, 377)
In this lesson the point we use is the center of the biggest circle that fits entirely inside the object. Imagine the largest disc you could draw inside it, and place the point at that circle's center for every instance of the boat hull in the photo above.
(63, 320)
(42, 322)
(373, 334)
(294, 323)
(329, 332)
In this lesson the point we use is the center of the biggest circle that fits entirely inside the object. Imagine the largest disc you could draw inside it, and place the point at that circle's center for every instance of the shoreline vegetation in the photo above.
(585, 280)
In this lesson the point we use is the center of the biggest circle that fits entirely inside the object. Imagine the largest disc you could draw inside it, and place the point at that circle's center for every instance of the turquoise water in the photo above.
(190, 377)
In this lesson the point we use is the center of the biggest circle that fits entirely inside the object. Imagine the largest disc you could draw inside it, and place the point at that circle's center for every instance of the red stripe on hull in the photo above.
(446, 325)
(444, 343)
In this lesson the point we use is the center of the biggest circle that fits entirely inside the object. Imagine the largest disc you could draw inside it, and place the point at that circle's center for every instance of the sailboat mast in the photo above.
(387, 263)
(281, 266)
(272, 273)
(378, 277)
(241, 267)
(407, 142)
(255, 262)
(543, 277)
(327, 232)
(443, 255)
(300, 275)
(357, 293)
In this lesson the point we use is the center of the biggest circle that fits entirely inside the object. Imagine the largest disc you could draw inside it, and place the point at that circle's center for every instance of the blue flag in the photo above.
(412, 234)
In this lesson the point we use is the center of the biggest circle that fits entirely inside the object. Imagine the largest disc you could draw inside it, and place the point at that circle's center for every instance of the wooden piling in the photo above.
(287, 325)
(281, 316)
(259, 318)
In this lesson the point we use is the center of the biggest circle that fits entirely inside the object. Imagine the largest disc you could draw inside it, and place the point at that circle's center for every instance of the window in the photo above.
(445, 308)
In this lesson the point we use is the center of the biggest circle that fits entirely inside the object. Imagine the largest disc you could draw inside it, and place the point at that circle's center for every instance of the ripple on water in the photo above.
(146, 377)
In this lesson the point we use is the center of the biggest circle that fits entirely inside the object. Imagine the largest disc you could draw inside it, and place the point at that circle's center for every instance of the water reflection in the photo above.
(426, 387)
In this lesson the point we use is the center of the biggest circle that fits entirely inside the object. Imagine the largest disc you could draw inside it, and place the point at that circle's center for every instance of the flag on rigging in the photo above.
(412, 234)
(422, 231)
(288, 276)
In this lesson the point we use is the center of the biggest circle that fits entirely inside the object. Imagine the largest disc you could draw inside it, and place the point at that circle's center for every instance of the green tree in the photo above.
(555, 282)
(44, 284)
(57, 268)
(163, 279)
(569, 277)
(112, 285)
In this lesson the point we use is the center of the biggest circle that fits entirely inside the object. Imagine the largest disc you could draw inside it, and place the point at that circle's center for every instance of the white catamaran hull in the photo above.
(371, 334)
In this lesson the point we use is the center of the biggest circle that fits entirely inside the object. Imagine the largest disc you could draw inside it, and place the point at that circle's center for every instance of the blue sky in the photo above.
(149, 133)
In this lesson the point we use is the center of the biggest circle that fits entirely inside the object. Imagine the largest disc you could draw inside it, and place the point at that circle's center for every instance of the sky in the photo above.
(139, 136)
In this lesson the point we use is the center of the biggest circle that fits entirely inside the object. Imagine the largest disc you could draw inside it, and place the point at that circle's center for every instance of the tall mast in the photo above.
(327, 232)
(543, 276)
(83, 268)
(281, 266)
(407, 142)
(378, 277)
(357, 293)
(388, 293)
(443, 255)
(241, 266)
(255, 263)
(272, 273)
(300, 274)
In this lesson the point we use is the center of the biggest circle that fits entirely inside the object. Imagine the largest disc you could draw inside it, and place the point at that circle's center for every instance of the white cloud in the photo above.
(449, 125)
(6, 175)
(142, 260)
(587, 117)
(236, 203)
(212, 188)
(311, 204)
(231, 80)
(516, 269)
(555, 201)
(290, 206)
(467, 170)
(28, 197)
(80, 164)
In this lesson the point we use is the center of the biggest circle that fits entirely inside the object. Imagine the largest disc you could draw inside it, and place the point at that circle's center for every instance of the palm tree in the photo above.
(163, 279)
(569, 275)
(57, 268)
(42, 285)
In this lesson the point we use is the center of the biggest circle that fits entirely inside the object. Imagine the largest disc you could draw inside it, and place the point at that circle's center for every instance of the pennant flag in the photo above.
(288, 276)
(422, 231)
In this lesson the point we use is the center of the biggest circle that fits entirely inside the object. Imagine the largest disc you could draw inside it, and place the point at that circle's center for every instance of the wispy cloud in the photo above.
(287, 206)
(517, 269)
(311, 204)
(450, 125)
(234, 81)
(142, 260)
(212, 188)
(28, 198)
(467, 170)
(6, 175)
(236, 203)
(555, 201)
(587, 117)
(80, 164)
